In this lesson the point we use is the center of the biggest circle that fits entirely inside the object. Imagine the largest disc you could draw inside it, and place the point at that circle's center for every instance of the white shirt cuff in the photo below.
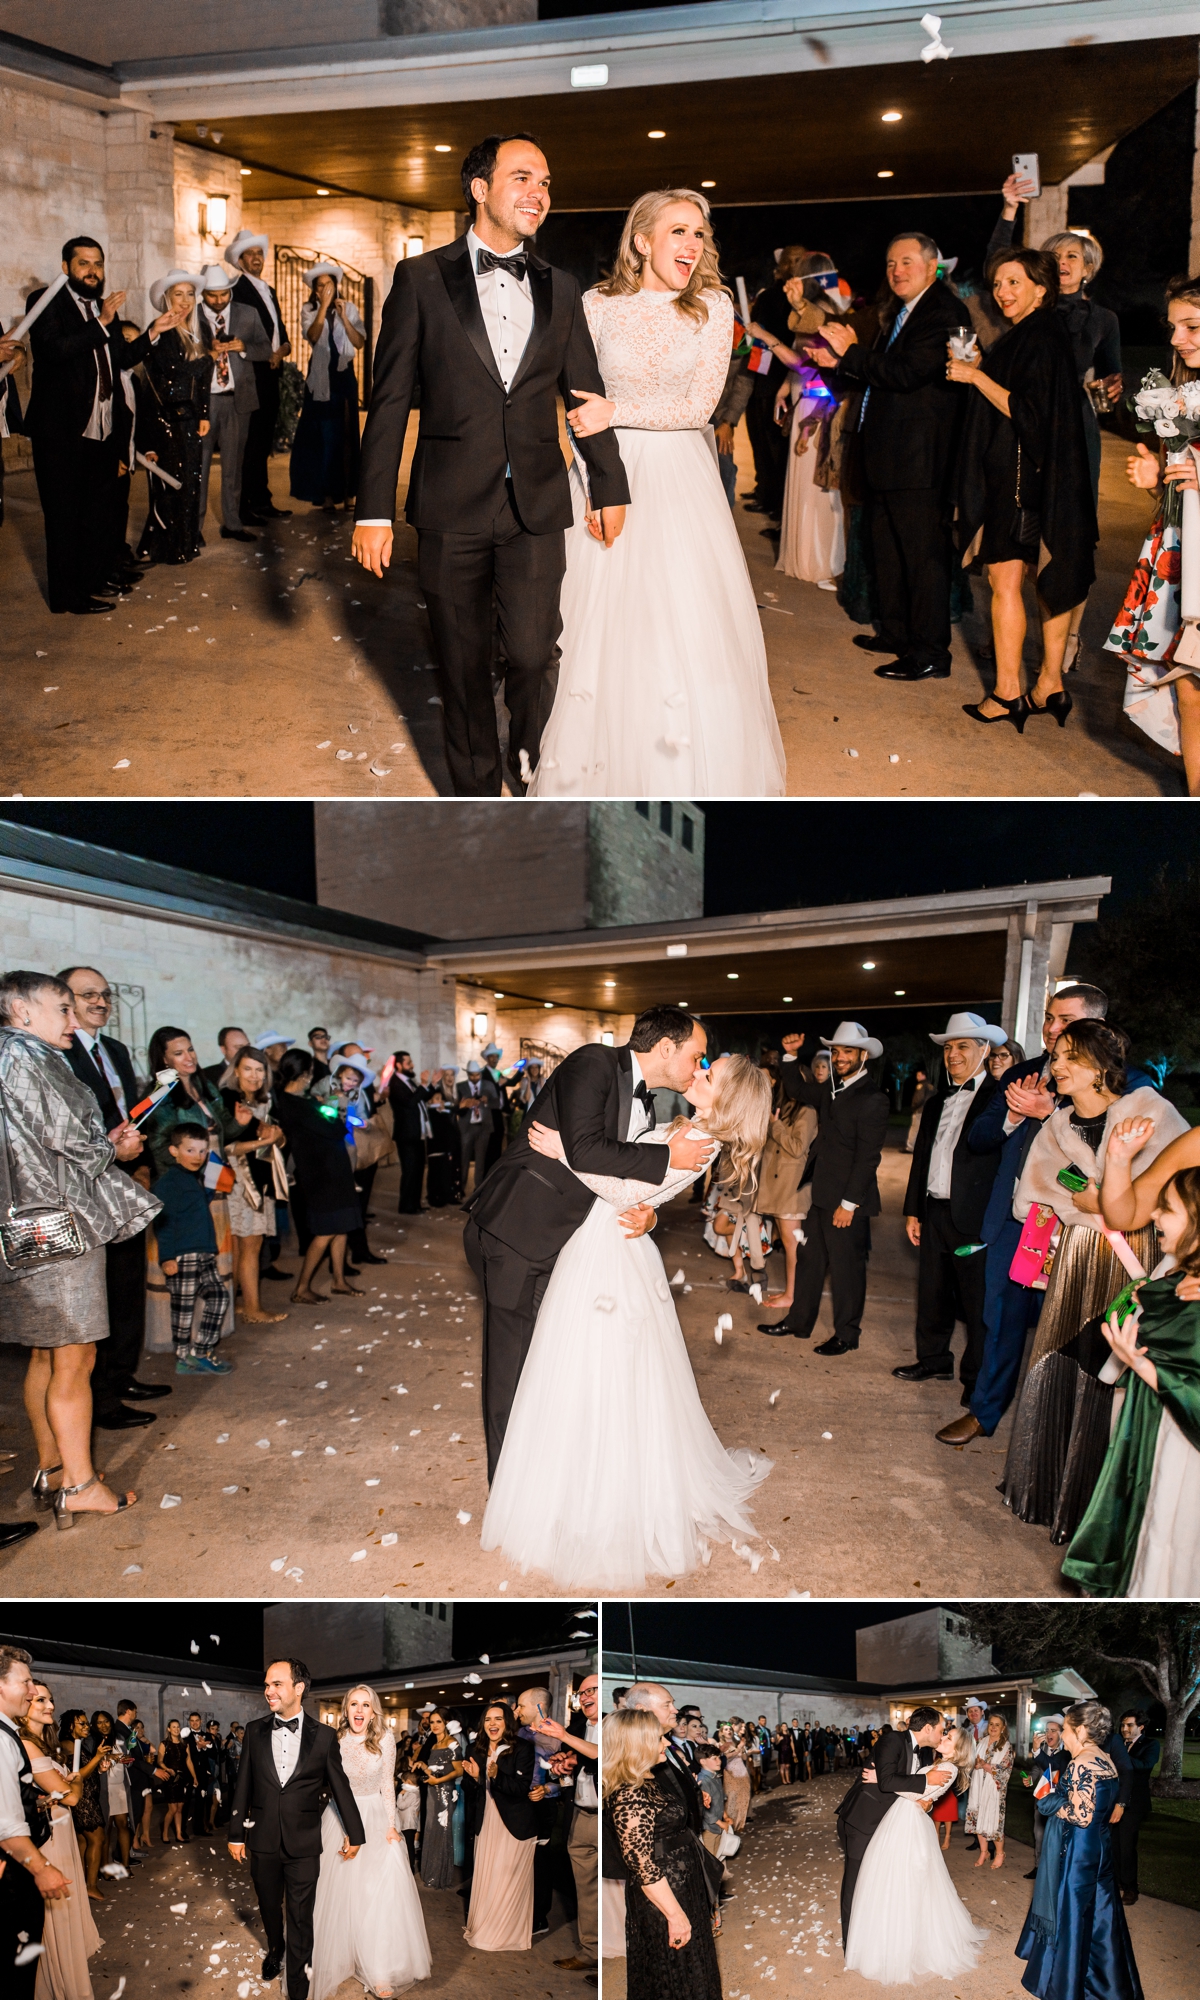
(789, 1059)
(372, 524)
(851, 1205)
(1011, 1123)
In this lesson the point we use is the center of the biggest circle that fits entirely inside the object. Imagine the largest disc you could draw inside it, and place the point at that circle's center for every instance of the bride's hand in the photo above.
(596, 415)
(604, 524)
(546, 1142)
(397, 1839)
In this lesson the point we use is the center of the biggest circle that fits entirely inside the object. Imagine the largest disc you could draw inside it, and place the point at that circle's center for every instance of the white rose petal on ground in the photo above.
(171, 1500)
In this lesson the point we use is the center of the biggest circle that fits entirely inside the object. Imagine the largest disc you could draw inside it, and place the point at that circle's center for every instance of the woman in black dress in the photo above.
(325, 450)
(442, 1151)
(174, 1771)
(1024, 491)
(90, 1764)
(670, 1950)
(172, 419)
(325, 1191)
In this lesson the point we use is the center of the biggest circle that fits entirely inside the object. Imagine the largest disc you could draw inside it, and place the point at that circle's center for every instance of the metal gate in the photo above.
(291, 262)
(543, 1052)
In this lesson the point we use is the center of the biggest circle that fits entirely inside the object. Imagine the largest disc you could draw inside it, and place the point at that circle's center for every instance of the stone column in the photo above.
(140, 190)
(1047, 216)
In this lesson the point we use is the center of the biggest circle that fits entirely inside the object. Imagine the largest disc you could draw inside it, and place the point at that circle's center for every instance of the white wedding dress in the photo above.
(367, 1921)
(907, 1922)
(610, 1468)
(662, 688)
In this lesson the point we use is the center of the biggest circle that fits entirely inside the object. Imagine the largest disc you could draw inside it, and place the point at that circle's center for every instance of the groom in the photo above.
(289, 1770)
(599, 1100)
(485, 336)
(899, 1764)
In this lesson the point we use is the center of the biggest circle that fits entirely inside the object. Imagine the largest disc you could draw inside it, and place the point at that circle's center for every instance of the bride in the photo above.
(662, 687)
(610, 1468)
(906, 1921)
(367, 1921)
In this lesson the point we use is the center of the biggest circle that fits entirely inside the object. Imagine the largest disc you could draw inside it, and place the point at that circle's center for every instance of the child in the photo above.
(187, 1254)
(1140, 1536)
(712, 1796)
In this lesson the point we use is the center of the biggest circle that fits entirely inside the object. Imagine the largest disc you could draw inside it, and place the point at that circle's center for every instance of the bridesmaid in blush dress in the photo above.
(500, 1814)
(70, 1936)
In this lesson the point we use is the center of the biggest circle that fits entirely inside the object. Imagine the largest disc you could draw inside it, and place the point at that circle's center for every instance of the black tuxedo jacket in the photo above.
(910, 430)
(533, 1204)
(270, 1818)
(245, 293)
(972, 1172)
(509, 1788)
(406, 1098)
(674, 1777)
(64, 345)
(899, 1768)
(851, 1127)
(90, 1073)
(433, 340)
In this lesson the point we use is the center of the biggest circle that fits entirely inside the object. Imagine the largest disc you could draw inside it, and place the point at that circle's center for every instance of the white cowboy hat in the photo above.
(161, 286)
(273, 1035)
(852, 1035)
(245, 240)
(971, 1028)
(974, 1701)
(325, 269)
(215, 279)
(352, 1062)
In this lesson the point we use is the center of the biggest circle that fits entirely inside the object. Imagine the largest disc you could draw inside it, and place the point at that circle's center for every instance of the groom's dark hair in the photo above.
(480, 163)
(661, 1024)
(296, 1668)
(922, 1718)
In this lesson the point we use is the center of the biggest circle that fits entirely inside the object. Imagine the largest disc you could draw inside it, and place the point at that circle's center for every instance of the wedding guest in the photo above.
(408, 1800)
(1143, 1752)
(668, 1913)
(123, 1812)
(229, 1041)
(736, 1773)
(500, 1817)
(1049, 1761)
(477, 1098)
(1023, 485)
(187, 1255)
(783, 1192)
(12, 421)
(712, 1797)
(70, 1936)
(176, 1773)
(725, 419)
(923, 1090)
(770, 310)
(987, 1796)
(324, 1179)
(246, 254)
(785, 1754)
(113, 1802)
(193, 1099)
(175, 423)
(411, 1129)
(1060, 1429)
(1140, 1535)
(59, 1154)
(1076, 1938)
(325, 449)
(441, 1767)
(318, 1041)
(582, 1735)
(86, 1756)
(957, 1749)
(812, 542)
(442, 1186)
(1003, 1058)
(247, 1127)
(234, 340)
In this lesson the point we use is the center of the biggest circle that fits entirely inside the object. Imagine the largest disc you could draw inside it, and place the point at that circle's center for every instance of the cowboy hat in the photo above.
(970, 1028)
(215, 279)
(272, 1037)
(355, 1063)
(325, 269)
(492, 1050)
(161, 286)
(852, 1035)
(245, 240)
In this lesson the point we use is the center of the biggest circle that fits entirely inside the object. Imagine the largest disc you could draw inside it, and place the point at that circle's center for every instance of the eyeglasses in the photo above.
(91, 994)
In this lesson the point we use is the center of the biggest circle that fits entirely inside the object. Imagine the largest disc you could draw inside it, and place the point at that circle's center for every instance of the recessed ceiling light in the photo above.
(900, 991)
(610, 982)
(787, 999)
(708, 184)
(885, 174)
(322, 190)
(442, 149)
(892, 117)
(656, 135)
(681, 1003)
(731, 975)
(245, 172)
(547, 1004)
(868, 965)
(497, 996)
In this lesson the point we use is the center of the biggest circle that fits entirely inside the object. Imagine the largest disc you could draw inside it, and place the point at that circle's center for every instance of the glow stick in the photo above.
(743, 301)
(19, 331)
(156, 471)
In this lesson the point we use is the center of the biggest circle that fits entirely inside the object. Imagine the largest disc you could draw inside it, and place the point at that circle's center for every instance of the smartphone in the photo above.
(1025, 166)
(1071, 1179)
(1125, 1302)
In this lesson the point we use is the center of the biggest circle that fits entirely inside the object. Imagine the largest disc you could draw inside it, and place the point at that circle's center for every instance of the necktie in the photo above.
(897, 323)
(222, 359)
(516, 265)
(106, 380)
(280, 1723)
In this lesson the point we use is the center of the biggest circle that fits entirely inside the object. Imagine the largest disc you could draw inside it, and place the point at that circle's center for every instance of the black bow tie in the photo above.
(487, 260)
(644, 1097)
(279, 1723)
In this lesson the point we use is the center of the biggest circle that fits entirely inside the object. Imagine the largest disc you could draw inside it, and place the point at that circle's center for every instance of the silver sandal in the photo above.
(41, 1491)
(64, 1517)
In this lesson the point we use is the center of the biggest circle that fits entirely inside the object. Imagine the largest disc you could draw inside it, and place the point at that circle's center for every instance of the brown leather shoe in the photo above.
(961, 1431)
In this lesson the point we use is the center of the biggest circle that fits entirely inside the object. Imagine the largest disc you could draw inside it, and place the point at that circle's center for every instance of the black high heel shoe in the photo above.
(1011, 710)
(1058, 705)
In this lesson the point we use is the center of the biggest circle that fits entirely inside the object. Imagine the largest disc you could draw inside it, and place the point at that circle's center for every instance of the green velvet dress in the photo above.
(1104, 1548)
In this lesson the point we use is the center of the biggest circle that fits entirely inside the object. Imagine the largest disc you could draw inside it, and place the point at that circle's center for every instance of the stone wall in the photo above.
(156, 1703)
(509, 1023)
(359, 1638)
(717, 1704)
(130, 29)
(373, 236)
(200, 173)
(639, 870)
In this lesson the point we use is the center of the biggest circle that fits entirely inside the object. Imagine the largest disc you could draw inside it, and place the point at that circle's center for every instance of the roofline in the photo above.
(102, 1662)
(692, 1673)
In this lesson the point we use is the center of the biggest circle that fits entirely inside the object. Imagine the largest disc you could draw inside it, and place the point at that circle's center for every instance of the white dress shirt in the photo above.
(639, 1117)
(99, 424)
(216, 387)
(13, 1822)
(507, 307)
(285, 1749)
(103, 1061)
(264, 292)
(585, 1781)
(950, 1123)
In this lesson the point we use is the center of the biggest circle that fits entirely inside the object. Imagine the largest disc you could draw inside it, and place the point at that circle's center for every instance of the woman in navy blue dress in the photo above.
(1076, 1939)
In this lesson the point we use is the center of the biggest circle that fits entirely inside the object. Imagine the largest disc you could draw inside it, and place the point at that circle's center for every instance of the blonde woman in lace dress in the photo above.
(367, 1921)
(662, 689)
(647, 1481)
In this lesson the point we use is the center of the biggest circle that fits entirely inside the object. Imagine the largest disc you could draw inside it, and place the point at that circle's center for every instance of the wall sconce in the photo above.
(213, 217)
(479, 1026)
(414, 246)
(606, 1039)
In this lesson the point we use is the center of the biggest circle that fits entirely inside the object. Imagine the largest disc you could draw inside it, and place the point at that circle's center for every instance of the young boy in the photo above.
(187, 1255)
(712, 1796)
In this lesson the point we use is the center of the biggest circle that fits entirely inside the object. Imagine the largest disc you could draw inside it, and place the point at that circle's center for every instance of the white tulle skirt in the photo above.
(367, 1921)
(906, 1922)
(662, 690)
(610, 1469)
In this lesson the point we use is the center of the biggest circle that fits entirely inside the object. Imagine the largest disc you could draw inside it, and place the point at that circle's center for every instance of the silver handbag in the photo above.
(33, 1236)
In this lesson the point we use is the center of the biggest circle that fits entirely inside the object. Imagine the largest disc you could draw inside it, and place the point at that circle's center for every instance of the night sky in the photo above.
(787, 1638)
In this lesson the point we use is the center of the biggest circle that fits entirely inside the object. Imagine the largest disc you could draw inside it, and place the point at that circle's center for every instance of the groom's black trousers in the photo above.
(854, 1845)
(507, 582)
(513, 1289)
(281, 1879)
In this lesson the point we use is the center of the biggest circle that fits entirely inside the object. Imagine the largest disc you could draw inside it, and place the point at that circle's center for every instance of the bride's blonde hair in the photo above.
(739, 1120)
(372, 1735)
(626, 273)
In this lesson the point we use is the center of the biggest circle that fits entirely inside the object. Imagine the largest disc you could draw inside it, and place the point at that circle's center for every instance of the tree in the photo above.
(1159, 1643)
(1146, 956)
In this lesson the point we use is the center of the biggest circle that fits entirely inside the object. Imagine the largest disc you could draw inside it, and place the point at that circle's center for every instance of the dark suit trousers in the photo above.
(22, 1916)
(1008, 1312)
(843, 1253)
(854, 1845)
(260, 433)
(770, 447)
(125, 1282)
(505, 581)
(1124, 1839)
(949, 1288)
(911, 551)
(512, 1289)
(76, 482)
(412, 1173)
(283, 1882)
(474, 1141)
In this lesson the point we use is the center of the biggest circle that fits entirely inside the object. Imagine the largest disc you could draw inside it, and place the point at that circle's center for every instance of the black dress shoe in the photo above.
(118, 1418)
(916, 1371)
(273, 1271)
(12, 1532)
(93, 606)
(870, 644)
(781, 1327)
(271, 1966)
(1032, 1875)
(145, 1392)
(835, 1346)
(278, 513)
(237, 535)
(369, 1257)
(908, 669)
(118, 585)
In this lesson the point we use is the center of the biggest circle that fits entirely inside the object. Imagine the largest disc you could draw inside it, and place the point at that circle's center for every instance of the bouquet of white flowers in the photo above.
(1171, 411)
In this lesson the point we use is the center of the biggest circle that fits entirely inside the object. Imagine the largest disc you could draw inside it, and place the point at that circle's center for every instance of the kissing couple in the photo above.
(603, 1465)
(632, 559)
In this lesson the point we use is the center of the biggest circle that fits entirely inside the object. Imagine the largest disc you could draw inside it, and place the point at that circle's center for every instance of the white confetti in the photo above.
(370, 1482)
(893, 759)
(134, 1569)
(264, 1444)
(279, 1563)
(322, 1385)
(195, 1647)
(326, 744)
(360, 1555)
(826, 1434)
(122, 764)
(344, 756)
(331, 1451)
(379, 770)
(229, 1489)
(414, 1434)
(388, 1541)
(120, 1988)
(178, 1909)
(774, 1396)
(171, 1500)
(462, 1518)
(223, 1438)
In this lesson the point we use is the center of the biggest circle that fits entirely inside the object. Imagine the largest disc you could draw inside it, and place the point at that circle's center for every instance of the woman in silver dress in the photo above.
(59, 1155)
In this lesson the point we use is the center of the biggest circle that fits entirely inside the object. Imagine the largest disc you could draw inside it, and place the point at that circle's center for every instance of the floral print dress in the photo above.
(989, 1790)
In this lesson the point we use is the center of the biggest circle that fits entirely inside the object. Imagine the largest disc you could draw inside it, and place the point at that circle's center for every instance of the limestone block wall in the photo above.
(156, 1704)
(373, 236)
(199, 173)
(639, 868)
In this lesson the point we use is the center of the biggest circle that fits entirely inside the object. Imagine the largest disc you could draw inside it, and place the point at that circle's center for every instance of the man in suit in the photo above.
(229, 1041)
(410, 1129)
(948, 1189)
(908, 428)
(234, 336)
(903, 1761)
(675, 1774)
(478, 1101)
(852, 1115)
(1050, 1760)
(289, 1770)
(106, 1067)
(491, 1060)
(79, 350)
(247, 256)
(599, 1100)
(1141, 1753)
(487, 335)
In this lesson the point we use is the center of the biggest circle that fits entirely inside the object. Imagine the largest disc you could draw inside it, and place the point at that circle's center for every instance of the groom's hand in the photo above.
(689, 1154)
(372, 547)
(237, 1849)
(606, 524)
(347, 1852)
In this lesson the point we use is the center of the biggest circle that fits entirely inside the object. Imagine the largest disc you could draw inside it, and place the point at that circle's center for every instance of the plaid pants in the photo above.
(196, 1280)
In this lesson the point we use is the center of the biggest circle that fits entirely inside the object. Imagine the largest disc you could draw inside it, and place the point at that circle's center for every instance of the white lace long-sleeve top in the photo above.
(371, 1771)
(664, 371)
(623, 1194)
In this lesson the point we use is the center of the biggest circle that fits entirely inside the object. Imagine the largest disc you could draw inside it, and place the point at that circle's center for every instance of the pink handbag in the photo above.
(1034, 1254)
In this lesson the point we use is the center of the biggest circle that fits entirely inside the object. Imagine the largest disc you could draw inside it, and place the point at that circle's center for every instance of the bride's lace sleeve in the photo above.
(634, 1818)
(642, 405)
(633, 1194)
(387, 1782)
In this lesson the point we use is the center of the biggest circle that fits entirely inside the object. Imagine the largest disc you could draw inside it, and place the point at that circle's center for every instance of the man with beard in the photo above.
(79, 350)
